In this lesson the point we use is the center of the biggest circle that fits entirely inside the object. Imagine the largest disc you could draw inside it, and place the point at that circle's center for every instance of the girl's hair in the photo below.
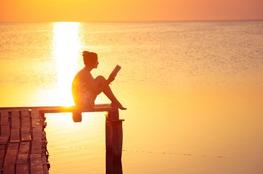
(89, 58)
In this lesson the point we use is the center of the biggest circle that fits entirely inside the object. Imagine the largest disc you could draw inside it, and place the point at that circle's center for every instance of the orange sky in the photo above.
(129, 10)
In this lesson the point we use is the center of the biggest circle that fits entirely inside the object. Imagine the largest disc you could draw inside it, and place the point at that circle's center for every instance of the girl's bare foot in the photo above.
(118, 105)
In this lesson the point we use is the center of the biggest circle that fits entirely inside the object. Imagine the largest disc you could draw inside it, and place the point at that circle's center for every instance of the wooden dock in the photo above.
(23, 143)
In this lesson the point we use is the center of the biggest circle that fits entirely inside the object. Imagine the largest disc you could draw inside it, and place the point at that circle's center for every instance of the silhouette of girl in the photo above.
(85, 88)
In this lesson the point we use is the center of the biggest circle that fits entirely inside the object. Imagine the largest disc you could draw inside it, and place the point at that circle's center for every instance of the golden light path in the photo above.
(63, 134)
(67, 47)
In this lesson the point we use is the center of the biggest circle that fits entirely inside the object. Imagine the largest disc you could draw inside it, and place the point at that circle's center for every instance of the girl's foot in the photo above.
(118, 105)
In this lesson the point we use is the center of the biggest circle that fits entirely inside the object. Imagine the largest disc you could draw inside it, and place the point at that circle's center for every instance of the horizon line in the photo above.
(135, 21)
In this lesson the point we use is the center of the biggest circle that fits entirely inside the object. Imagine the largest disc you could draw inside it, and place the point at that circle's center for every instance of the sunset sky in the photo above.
(129, 10)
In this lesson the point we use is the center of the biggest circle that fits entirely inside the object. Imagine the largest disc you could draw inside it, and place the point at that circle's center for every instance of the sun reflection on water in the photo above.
(66, 138)
(66, 49)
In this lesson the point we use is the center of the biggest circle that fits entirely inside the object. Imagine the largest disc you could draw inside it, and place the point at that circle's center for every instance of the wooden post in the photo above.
(114, 137)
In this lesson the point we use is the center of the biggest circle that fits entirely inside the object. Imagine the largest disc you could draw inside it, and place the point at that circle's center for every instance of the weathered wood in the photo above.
(3, 140)
(16, 131)
(25, 119)
(54, 109)
(22, 168)
(22, 158)
(35, 113)
(36, 164)
(25, 125)
(2, 155)
(23, 153)
(10, 158)
(114, 137)
(36, 122)
(22, 162)
(4, 118)
(15, 120)
(24, 147)
(46, 165)
(5, 130)
(26, 135)
(36, 147)
(114, 134)
(37, 133)
(15, 135)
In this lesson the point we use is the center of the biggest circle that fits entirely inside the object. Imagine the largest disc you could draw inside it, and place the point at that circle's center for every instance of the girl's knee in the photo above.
(101, 82)
(101, 79)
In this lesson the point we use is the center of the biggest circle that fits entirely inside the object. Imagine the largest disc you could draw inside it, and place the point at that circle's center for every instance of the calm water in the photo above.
(193, 92)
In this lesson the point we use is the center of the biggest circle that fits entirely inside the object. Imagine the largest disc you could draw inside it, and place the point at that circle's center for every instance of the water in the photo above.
(193, 92)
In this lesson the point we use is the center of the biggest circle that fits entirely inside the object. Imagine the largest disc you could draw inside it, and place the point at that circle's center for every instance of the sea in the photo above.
(194, 92)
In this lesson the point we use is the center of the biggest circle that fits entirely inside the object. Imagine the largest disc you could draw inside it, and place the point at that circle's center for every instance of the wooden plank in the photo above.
(52, 109)
(26, 123)
(25, 112)
(36, 164)
(22, 169)
(11, 153)
(10, 158)
(35, 156)
(4, 118)
(15, 119)
(37, 133)
(26, 135)
(36, 122)
(2, 155)
(25, 119)
(23, 153)
(35, 114)
(23, 158)
(45, 164)
(4, 140)
(36, 147)
(24, 147)
(5, 130)
(15, 135)
(25, 126)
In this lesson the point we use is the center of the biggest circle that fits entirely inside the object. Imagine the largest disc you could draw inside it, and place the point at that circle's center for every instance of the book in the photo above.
(114, 72)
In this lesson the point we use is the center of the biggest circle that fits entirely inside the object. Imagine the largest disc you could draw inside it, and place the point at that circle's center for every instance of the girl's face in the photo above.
(95, 65)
